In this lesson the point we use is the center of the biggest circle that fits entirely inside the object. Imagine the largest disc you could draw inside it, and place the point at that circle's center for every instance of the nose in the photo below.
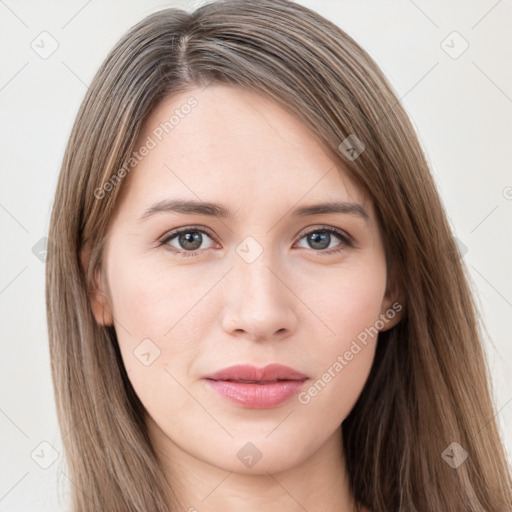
(259, 304)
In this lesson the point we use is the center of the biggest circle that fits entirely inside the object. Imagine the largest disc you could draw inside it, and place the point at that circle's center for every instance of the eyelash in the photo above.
(346, 241)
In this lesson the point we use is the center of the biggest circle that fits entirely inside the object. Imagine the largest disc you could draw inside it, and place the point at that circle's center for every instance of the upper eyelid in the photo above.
(185, 229)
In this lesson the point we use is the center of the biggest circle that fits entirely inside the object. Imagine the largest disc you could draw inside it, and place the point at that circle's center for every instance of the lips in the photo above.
(257, 388)
(252, 375)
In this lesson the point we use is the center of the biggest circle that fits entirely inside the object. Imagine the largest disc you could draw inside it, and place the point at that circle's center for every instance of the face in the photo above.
(262, 278)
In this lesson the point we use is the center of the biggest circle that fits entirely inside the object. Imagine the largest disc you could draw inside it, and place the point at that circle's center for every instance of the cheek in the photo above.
(157, 330)
(354, 302)
(139, 303)
(150, 300)
(162, 317)
(344, 355)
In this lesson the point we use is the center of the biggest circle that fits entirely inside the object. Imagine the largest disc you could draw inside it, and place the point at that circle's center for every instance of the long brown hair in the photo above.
(429, 386)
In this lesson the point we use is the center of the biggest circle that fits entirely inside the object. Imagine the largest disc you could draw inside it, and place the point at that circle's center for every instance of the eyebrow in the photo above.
(189, 207)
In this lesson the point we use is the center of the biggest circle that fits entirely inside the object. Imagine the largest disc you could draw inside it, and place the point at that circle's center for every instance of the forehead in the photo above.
(237, 146)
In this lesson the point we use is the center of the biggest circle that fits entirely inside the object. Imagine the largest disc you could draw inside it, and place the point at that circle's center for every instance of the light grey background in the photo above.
(461, 106)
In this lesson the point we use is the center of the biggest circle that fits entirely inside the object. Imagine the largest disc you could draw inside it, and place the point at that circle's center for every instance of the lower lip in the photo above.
(257, 396)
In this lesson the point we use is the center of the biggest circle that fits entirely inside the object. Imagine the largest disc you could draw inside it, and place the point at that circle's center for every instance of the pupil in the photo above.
(319, 238)
(191, 240)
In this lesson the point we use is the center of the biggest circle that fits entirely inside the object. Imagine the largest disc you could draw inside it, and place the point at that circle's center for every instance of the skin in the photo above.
(292, 305)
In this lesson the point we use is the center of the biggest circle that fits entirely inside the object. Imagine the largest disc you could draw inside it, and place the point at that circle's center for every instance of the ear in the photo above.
(98, 298)
(393, 304)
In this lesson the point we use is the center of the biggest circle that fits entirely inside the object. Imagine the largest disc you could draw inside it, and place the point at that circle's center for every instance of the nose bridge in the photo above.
(258, 281)
(260, 304)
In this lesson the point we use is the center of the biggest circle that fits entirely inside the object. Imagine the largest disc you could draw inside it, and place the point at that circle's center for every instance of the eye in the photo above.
(323, 240)
(187, 241)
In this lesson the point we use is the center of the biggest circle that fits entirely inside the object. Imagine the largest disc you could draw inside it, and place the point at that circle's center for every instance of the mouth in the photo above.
(250, 387)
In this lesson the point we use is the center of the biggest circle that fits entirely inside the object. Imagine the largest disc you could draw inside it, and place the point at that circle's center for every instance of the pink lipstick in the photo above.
(257, 388)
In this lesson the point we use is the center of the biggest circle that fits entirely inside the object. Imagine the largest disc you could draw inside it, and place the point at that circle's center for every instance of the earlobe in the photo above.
(391, 315)
(98, 300)
(393, 306)
(101, 308)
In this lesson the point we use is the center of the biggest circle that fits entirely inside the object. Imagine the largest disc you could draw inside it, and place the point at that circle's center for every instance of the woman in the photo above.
(254, 298)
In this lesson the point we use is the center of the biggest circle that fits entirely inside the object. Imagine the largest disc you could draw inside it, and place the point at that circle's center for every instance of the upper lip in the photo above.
(269, 373)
